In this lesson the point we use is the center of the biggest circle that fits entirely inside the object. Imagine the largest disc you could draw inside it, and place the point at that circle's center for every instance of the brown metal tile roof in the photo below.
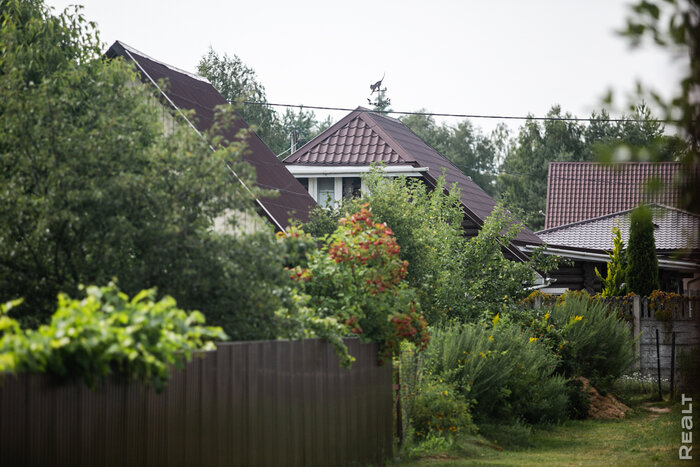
(362, 137)
(577, 191)
(192, 92)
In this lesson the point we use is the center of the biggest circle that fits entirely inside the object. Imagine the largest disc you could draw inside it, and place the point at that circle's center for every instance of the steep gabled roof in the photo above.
(577, 191)
(187, 91)
(674, 230)
(363, 137)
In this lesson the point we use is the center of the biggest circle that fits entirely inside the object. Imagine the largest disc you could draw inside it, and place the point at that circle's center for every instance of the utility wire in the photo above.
(493, 117)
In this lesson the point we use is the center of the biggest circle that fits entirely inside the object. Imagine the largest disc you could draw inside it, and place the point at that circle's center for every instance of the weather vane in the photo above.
(382, 101)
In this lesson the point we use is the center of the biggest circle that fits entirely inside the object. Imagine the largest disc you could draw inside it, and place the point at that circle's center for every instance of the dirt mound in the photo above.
(603, 407)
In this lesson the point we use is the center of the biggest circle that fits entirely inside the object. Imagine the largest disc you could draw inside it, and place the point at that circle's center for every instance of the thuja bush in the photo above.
(357, 278)
(596, 344)
(507, 372)
(107, 333)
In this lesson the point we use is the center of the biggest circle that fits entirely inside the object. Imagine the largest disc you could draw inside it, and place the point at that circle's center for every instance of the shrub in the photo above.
(598, 345)
(507, 372)
(357, 278)
(439, 410)
(579, 399)
(106, 333)
(615, 276)
(427, 226)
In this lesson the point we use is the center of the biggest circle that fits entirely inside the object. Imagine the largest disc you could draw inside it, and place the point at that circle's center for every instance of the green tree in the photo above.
(615, 276)
(464, 145)
(92, 186)
(238, 82)
(642, 267)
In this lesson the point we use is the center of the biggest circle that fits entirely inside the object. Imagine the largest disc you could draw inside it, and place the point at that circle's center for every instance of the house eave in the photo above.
(602, 257)
(311, 171)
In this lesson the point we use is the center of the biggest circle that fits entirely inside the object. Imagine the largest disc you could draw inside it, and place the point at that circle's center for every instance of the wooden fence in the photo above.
(247, 403)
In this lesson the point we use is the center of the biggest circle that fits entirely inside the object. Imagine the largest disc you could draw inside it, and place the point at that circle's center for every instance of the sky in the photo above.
(447, 56)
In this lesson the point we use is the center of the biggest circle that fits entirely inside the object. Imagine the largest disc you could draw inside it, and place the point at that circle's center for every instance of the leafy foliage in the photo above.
(439, 410)
(494, 282)
(615, 277)
(93, 187)
(357, 277)
(642, 267)
(475, 154)
(238, 82)
(427, 226)
(107, 333)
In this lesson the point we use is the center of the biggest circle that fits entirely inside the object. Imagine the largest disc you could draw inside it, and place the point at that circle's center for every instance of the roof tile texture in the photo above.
(674, 230)
(354, 143)
(363, 137)
(578, 191)
(193, 93)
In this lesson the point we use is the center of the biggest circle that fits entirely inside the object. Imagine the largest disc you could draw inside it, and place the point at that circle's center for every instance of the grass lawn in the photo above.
(643, 438)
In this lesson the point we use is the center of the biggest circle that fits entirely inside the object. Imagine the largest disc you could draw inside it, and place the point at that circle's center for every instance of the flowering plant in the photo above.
(358, 277)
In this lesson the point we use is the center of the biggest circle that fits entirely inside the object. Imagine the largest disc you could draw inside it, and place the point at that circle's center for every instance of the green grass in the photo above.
(641, 439)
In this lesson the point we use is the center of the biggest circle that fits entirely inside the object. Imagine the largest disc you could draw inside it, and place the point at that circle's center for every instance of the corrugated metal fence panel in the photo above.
(247, 403)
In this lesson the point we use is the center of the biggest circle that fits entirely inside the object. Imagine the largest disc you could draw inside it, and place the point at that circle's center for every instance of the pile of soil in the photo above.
(603, 407)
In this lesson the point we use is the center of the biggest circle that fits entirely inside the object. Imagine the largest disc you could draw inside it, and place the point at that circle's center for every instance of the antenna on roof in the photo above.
(382, 102)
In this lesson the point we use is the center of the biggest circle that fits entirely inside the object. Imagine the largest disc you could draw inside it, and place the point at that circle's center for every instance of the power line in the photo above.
(493, 117)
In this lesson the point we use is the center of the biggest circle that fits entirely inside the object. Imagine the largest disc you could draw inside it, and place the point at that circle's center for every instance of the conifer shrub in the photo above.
(642, 271)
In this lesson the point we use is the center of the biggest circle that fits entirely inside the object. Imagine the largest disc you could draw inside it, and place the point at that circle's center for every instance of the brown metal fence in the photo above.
(247, 403)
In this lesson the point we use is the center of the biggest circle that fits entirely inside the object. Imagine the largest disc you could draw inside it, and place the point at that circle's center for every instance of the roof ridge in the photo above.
(171, 67)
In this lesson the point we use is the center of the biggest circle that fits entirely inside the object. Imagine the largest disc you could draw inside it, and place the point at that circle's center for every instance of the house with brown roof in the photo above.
(187, 91)
(331, 166)
(586, 200)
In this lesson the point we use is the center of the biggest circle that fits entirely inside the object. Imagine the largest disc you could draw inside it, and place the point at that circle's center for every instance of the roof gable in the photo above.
(583, 190)
(675, 230)
(379, 138)
(191, 92)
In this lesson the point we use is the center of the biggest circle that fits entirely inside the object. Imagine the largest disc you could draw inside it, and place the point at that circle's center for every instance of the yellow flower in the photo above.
(578, 318)
(496, 319)
(490, 338)
(482, 354)
(533, 339)
(546, 316)
(445, 393)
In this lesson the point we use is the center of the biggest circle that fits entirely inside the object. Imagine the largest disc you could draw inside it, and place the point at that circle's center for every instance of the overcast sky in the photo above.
(466, 57)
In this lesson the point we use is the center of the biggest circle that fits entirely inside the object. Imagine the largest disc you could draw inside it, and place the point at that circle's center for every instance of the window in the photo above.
(352, 187)
(304, 182)
(326, 191)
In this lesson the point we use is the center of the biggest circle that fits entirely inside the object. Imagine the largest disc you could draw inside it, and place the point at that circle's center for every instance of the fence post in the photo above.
(637, 328)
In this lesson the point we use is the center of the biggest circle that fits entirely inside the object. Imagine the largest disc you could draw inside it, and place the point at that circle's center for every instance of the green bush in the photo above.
(107, 333)
(579, 399)
(509, 374)
(439, 410)
(357, 278)
(596, 344)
